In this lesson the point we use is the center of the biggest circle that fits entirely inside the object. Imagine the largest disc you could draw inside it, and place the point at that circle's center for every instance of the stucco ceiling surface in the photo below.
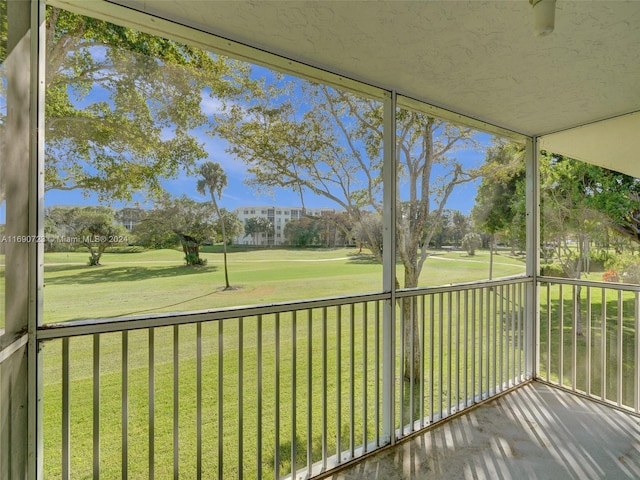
(479, 58)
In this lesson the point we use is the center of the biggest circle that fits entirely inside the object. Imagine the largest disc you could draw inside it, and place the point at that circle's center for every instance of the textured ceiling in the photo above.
(478, 58)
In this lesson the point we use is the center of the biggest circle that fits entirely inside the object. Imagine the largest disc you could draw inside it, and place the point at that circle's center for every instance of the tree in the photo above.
(254, 226)
(189, 222)
(331, 146)
(232, 225)
(460, 226)
(91, 227)
(303, 232)
(500, 199)
(120, 105)
(214, 180)
(369, 226)
(471, 242)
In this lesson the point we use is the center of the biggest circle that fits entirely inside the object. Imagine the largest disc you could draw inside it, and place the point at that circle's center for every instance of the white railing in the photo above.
(286, 390)
(589, 339)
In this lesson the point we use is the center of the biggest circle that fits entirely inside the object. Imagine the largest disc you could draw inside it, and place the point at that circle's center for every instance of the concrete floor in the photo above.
(535, 432)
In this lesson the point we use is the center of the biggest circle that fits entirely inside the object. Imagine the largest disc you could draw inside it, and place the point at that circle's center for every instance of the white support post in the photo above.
(14, 435)
(389, 270)
(36, 229)
(532, 343)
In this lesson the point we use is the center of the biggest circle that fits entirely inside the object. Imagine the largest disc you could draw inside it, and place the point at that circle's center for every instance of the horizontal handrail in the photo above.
(590, 283)
(120, 324)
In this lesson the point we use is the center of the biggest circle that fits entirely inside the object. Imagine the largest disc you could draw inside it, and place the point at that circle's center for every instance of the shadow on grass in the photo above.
(362, 258)
(74, 274)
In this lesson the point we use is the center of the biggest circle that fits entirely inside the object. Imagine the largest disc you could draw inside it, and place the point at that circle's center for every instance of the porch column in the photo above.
(14, 171)
(389, 270)
(533, 258)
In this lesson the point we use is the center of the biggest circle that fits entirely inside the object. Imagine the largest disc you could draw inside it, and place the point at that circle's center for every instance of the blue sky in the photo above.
(237, 194)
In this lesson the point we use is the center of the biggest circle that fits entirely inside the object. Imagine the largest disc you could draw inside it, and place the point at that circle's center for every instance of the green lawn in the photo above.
(157, 281)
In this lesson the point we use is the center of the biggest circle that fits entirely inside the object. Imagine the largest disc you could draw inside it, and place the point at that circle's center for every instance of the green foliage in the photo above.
(552, 270)
(628, 267)
(303, 232)
(500, 199)
(192, 259)
(471, 242)
(137, 131)
(92, 227)
(178, 219)
(254, 226)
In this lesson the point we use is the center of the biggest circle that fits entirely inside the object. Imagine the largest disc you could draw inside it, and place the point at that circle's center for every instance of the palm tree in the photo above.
(214, 180)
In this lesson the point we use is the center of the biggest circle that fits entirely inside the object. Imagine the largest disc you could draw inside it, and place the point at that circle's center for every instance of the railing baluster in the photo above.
(66, 412)
(365, 367)
(259, 340)
(432, 302)
(422, 356)
(199, 400)
(441, 354)
(339, 383)
(125, 404)
(309, 391)
(352, 375)
(603, 347)
(508, 317)
(96, 406)
(501, 335)
(465, 336)
(574, 337)
(294, 340)
(412, 373)
(152, 403)
(376, 384)
(494, 380)
(473, 345)
(325, 351)
(588, 342)
(240, 397)
(276, 456)
(521, 309)
(220, 399)
(449, 352)
(561, 334)
(487, 391)
(402, 366)
(176, 399)
(457, 379)
(620, 347)
(480, 343)
(548, 332)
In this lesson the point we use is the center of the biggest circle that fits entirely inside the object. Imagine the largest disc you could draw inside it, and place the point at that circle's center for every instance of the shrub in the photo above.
(552, 270)
(610, 276)
(470, 242)
(628, 267)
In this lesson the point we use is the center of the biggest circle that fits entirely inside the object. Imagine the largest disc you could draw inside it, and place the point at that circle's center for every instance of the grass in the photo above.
(156, 281)
(612, 314)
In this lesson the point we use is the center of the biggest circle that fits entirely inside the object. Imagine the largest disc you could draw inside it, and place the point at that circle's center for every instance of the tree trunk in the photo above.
(491, 243)
(191, 249)
(411, 333)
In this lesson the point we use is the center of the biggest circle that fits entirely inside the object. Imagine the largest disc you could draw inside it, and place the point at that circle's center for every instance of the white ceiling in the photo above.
(479, 58)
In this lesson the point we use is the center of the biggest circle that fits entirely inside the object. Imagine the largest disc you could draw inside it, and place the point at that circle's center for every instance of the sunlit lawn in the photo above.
(157, 281)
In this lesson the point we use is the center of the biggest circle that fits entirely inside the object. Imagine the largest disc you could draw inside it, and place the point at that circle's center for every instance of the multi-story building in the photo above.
(278, 216)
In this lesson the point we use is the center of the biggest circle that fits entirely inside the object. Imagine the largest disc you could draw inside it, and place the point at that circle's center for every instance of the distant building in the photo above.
(278, 216)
